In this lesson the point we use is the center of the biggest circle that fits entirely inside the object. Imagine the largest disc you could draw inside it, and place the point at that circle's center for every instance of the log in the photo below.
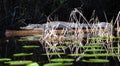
(13, 33)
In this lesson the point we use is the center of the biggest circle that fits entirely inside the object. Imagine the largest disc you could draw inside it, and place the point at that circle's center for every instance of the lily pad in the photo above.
(82, 55)
(33, 64)
(62, 60)
(58, 64)
(96, 61)
(18, 62)
(30, 46)
(114, 54)
(103, 54)
(4, 59)
(90, 55)
(96, 44)
(22, 54)
(28, 38)
(37, 36)
(59, 53)
(21, 39)
(75, 42)
(94, 50)
(68, 42)
(56, 47)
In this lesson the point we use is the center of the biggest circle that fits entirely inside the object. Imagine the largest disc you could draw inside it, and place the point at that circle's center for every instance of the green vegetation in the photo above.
(30, 46)
(4, 59)
(58, 64)
(56, 53)
(33, 64)
(62, 60)
(96, 61)
(18, 62)
(22, 54)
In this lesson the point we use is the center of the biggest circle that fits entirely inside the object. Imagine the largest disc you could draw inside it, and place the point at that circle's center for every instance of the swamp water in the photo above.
(73, 46)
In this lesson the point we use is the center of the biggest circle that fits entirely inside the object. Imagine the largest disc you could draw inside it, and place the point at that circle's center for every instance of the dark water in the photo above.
(10, 46)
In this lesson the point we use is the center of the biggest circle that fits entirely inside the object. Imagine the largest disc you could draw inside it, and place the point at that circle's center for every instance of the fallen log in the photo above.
(12, 33)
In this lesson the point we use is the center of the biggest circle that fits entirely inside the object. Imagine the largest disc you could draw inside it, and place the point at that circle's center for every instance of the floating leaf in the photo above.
(33, 64)
(18, 62)
(4, 59)
(58, 64)
(56, 47)
(62, 60)
(37, 36)
(90, 55)
(94, 50)
(60, 53)
(30, 46)
(96, 60)
(22, 54)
